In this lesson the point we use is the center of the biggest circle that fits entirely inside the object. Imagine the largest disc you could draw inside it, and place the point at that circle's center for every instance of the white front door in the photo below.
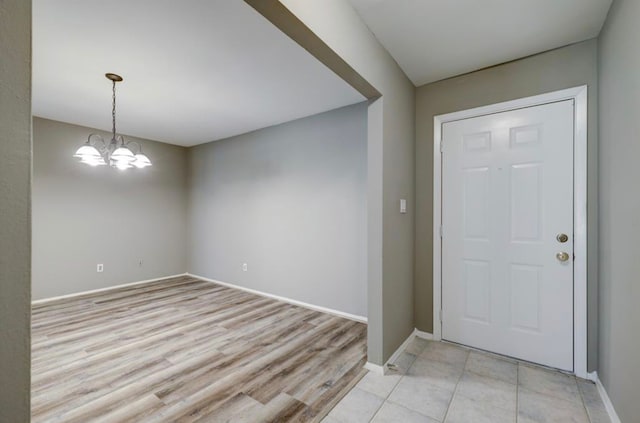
(507, 201)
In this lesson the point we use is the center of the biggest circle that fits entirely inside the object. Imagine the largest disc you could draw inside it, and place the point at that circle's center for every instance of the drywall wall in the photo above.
(558, 69)
(619, 73)
(391, 146)
(83, 215)
(15, 210)
(290, 201)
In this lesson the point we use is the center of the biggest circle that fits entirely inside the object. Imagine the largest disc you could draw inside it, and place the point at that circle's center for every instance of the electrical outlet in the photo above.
(100, 268)
(245, 267)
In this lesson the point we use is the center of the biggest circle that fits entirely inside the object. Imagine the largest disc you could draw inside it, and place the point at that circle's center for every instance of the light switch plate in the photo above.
(403, 206)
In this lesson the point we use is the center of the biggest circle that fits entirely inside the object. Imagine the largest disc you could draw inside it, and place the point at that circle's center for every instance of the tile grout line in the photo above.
(384, 401)
(455, 393)
(547, 395)
(386, 398)
(584, 404)
(378, 409)
(455, 390)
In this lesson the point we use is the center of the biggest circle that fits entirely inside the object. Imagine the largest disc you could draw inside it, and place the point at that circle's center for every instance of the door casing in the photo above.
(579, 95)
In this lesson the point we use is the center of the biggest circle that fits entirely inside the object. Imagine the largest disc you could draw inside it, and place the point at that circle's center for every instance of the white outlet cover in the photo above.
(100, 268)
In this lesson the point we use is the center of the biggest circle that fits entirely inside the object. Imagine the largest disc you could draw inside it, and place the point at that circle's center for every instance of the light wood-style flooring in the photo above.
(185, 350)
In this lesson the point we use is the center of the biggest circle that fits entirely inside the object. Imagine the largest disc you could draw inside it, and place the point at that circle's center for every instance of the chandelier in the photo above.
(116, 153)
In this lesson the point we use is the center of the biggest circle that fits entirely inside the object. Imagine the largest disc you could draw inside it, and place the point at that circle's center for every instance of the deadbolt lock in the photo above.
(562, 238)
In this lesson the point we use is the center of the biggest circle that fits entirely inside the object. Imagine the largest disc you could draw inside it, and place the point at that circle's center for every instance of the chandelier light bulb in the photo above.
(122, 165)
(87, 151)
(123, 154)
(94, 161)
(141, 161)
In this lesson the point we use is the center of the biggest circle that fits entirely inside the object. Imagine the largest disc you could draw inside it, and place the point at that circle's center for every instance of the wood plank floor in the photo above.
(185, 350)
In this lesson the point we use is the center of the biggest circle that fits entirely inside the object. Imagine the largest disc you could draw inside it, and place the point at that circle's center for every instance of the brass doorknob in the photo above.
(562, 256)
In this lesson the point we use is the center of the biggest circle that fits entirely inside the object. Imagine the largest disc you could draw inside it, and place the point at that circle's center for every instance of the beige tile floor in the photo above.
(439, 382)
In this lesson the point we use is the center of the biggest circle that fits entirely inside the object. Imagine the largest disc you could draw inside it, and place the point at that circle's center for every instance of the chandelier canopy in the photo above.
(116, 153)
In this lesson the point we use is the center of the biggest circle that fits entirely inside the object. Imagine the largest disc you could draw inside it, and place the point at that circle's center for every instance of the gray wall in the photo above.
(551, 71)
(391, 147)
(620, 208)
(290, 201)
(83, 216)
(15, 201)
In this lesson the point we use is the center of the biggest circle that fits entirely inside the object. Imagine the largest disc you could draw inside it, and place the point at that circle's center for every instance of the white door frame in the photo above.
(579, 95)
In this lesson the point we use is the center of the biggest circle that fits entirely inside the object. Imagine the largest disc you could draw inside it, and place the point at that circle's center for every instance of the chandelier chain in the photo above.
(113, 111)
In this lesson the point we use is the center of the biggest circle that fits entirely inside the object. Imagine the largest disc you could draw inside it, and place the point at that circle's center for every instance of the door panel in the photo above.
(507, 192)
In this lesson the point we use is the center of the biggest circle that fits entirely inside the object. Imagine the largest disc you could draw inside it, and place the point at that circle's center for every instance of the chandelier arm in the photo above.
(102, 148)
(137, 144)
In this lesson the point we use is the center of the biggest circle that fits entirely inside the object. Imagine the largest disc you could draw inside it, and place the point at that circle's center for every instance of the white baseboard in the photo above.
(593, 377)
(424, 335)
(338, 313)
(382, 370)
(374, 368)
(108, 288)
(400, 349)
(608, 405)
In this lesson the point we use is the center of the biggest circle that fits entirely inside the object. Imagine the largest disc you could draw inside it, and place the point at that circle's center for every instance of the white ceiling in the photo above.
(194, 71)
(437, 39)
